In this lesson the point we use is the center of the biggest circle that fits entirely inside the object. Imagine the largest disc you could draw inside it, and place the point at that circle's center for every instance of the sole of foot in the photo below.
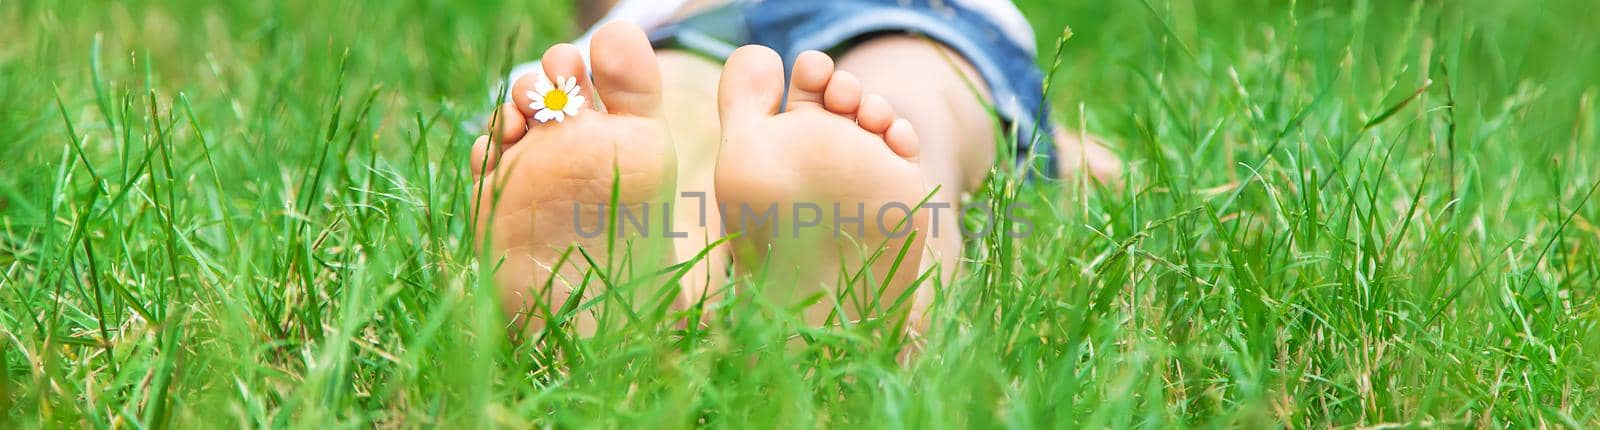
(822, 195)
(545, 179)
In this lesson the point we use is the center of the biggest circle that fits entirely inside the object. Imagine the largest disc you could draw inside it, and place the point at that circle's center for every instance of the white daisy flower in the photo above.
(554, 103)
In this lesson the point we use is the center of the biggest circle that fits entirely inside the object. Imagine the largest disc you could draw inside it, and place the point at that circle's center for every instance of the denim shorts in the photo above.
(790, 27)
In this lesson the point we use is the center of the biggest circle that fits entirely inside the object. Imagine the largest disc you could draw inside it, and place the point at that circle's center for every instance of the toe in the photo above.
(843, 96)
(876, 115)
(626, 70)
(520, 90)
(564, 62)
(510, 123)
(902, 139)
(752, 84)
(485, 153)
(561, 63)
(812, 71)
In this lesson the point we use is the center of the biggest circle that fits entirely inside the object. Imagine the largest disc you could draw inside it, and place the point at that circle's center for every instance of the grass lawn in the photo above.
(1364, 213)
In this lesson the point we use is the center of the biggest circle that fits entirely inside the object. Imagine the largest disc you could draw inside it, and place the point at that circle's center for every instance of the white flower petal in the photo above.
(575, 106)
(571, 83)
(559, 115)
(536, 104)
(544, 86)
(533, 95)
(544, 115)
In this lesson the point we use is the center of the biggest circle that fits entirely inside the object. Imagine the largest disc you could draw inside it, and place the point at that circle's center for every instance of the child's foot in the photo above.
(840, 173)
(543, 186)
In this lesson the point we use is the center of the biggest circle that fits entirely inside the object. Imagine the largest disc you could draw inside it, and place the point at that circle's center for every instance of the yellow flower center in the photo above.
(556, 100)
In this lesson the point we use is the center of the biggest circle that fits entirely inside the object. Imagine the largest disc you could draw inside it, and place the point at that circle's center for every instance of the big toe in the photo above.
(626, 72)
(752, 84)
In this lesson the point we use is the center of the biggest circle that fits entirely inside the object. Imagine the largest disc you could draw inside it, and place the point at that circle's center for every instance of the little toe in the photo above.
(843, 96)
(902, 139)
(876, 115)
(751, 86)
(812, 71)
(626, 70)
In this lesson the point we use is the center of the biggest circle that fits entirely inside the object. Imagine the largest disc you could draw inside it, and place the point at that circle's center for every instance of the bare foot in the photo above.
(543, 187)
(838, 170)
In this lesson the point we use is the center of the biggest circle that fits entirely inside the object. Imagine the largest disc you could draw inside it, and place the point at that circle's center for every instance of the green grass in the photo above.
(1338, 213)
